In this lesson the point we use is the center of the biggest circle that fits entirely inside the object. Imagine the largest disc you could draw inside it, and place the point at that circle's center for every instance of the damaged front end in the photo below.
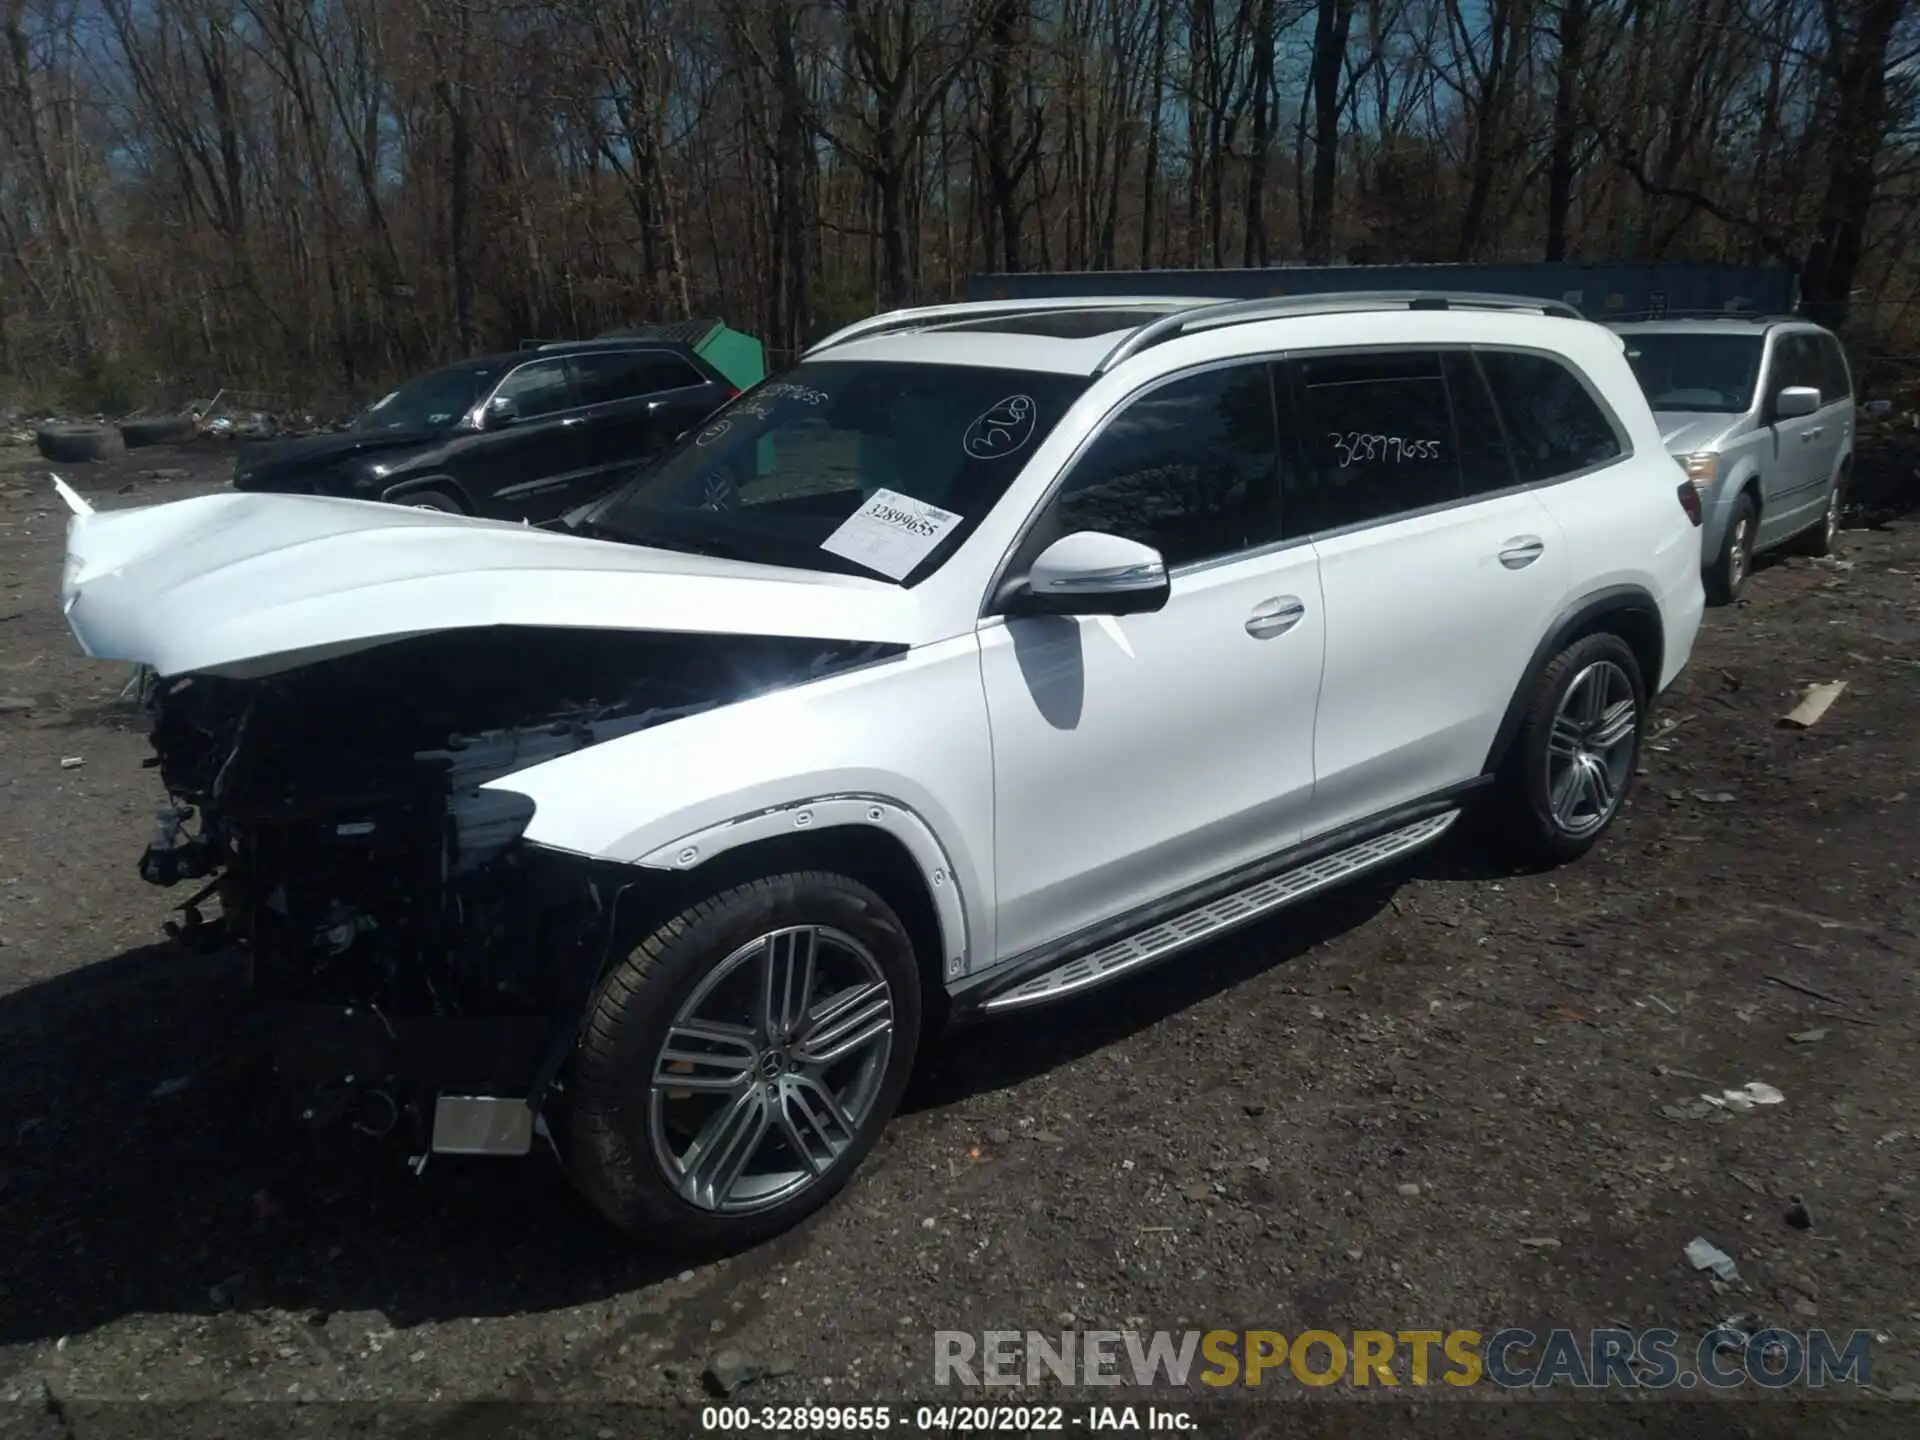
(427, 968)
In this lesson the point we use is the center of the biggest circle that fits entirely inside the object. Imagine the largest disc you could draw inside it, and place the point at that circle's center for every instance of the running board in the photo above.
(1204, 922)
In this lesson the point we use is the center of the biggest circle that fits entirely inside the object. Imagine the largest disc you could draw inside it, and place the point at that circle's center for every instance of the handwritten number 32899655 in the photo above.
(1356, 448)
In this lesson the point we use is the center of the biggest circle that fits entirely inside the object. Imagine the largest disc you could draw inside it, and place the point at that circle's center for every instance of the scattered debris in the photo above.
(1409, 1188)
(15, 704)
(166, 1089)
(1741, 1099)
(1806, 989)
(1756, 1186)
(1798, 1216)
(1814, 703)
(1808, 1037)
(1540, 1242)
(1715, 797)
(71, 762)
(1563, 1012)
(1705, 1255)
(1754, 1092)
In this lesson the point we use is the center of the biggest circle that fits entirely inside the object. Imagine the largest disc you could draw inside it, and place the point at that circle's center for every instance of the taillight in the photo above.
(1690, 502)
(733, 393)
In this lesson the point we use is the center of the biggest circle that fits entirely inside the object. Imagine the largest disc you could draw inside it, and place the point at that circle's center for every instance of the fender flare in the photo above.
(828, 812)
(1576, 618)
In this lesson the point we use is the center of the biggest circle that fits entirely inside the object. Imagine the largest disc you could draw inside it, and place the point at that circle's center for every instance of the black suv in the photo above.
(525, 436)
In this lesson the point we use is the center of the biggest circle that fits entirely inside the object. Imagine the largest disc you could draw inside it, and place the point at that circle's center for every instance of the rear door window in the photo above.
(1554, 425)
(1377, 440)
(1485, 461)
(611, 376)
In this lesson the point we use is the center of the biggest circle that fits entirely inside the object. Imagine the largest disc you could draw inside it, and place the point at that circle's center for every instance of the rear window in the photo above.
(1709, 374)
(865, 467)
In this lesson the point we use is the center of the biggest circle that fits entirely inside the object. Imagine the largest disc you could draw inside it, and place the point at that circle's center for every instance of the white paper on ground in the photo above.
(891, 533)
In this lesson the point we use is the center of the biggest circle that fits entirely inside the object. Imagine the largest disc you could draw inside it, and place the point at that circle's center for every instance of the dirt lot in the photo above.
(1452, 1098)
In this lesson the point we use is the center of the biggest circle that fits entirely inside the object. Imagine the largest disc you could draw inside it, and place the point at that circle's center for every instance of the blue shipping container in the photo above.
(1600, 292)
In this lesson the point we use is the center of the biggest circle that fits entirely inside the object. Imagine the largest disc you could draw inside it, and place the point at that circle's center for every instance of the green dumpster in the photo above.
(737, 356)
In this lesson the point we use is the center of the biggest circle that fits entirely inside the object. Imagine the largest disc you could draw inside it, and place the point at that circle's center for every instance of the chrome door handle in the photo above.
(1275, 617)
(574, 420)
(1522, 551)
(1813, 434)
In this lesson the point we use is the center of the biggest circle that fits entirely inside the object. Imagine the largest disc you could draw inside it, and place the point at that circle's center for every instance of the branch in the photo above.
(1624, 156)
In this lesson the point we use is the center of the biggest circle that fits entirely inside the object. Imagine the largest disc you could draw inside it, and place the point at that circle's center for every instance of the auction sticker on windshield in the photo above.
(891, 533)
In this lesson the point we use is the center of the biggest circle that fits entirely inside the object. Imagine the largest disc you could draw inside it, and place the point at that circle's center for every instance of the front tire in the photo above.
(1574, 758)
(430, 500)
(741, 1062)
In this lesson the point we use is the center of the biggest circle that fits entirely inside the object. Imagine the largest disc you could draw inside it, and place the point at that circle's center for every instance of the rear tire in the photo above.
(1726, 576)
(1823, 539)
(777, 1085)
(1573, 761)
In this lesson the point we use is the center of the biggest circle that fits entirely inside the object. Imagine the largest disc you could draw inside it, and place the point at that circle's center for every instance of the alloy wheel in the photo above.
(770, 1069)
(1738, 552)
(1833, 514)
(1590, 748)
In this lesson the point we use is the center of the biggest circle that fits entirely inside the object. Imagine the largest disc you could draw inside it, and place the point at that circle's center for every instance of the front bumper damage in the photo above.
(426, 970)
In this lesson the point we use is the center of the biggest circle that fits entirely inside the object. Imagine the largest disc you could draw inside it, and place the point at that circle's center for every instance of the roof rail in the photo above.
(926, 315)
(1745, 317)
(1275, 307)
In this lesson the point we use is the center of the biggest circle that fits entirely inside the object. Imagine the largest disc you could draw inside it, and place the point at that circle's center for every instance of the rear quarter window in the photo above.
(1555, 426)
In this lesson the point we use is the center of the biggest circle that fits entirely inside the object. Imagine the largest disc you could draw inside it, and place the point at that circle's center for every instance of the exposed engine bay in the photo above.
(335, 813)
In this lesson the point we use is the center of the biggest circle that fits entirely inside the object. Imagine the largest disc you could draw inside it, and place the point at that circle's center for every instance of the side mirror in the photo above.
(1795, 401)
(1088, 573)
(502, 410)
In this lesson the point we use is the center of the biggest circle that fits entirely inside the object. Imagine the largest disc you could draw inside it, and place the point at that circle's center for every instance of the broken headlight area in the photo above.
(388, 909)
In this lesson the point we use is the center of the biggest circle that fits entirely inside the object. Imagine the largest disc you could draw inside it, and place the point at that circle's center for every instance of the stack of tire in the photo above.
(80, 444)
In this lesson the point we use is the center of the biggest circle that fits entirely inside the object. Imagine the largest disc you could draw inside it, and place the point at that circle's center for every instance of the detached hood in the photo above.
(1686, 431)
(250, 584)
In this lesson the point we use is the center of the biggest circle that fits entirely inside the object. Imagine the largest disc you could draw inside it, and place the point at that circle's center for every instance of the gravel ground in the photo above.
(1453, 1097)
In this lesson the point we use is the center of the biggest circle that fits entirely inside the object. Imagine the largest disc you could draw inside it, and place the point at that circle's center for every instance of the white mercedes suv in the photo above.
(989, 654)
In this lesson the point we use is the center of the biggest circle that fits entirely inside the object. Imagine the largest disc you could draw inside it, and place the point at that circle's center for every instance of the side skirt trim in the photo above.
(1214, 917)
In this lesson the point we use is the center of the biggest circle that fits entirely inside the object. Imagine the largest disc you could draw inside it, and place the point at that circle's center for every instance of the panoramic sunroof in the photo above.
(1062, 324)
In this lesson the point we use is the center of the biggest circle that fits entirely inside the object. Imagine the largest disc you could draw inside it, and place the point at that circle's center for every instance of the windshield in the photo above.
(864, 467)
(1713, 374)
(430, 402)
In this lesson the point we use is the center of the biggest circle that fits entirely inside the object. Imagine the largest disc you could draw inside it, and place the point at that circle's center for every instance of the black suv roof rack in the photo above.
(1244, 312)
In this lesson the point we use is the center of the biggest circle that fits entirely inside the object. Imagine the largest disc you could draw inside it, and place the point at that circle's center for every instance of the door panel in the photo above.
(1430, 623)
(1138, 755)
(522, 470)
(1438, 573)
(634, 414)
(1792, 486)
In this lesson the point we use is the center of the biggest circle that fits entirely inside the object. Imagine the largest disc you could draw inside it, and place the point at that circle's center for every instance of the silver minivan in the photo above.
(1760, 412)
